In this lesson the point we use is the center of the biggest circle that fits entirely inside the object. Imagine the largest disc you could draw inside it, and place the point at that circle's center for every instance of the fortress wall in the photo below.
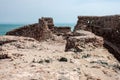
(62, 30)
(39, 31)
(49, 21)
(106, 26)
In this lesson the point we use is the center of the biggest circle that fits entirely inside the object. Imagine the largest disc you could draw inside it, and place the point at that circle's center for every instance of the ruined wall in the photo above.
(84, 22)
(39, 31)
(62, 30)
(55, 29)
(106, 26)
(82, 40)
(49, 22)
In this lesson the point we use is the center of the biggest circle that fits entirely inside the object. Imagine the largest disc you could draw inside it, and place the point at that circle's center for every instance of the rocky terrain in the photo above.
(42, 51)
(28, 59)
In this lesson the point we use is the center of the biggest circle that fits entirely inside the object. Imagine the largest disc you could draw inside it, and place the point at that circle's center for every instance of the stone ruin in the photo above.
(39, 31)
(49, 22)
(62, 30)
(82, 40)
(106, 26)
(42, 30)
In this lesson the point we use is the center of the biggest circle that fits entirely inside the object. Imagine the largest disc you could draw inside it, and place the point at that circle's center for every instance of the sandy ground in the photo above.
(29, 59)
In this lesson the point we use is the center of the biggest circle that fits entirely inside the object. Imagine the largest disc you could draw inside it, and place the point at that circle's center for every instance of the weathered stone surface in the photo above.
(83, 40)
(34, 60)
(98, 21)
(4, 56)
(62, 30)
(106, 26)
(49, 22)
(17, 42)
(38, 31)
(42, 30)
(6, 41)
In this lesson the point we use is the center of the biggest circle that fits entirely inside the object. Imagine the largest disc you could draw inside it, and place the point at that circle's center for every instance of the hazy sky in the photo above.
(28, 11)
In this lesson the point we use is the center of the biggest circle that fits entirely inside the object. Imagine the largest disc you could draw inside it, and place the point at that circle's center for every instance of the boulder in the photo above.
(63, 59)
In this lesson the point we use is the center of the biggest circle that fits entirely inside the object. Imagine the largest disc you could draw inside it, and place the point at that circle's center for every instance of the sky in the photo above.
(62, 11)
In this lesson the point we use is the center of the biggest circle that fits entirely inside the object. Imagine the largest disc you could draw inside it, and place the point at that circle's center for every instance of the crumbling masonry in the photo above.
(106, 26)
(40, 31)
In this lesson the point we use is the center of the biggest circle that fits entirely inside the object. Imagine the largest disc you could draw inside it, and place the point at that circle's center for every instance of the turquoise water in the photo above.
(7, 27)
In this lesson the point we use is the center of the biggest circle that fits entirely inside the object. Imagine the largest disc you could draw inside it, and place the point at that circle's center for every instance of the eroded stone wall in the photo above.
(82, 40)
(49, 21)
(85, 22)
(62, 30)
(106, 26)
(39, 31)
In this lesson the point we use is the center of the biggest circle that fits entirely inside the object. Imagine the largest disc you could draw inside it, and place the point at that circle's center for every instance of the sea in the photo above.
(8, 27)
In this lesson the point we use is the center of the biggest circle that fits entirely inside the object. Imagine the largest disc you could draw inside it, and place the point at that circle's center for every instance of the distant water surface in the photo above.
(7, 27)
